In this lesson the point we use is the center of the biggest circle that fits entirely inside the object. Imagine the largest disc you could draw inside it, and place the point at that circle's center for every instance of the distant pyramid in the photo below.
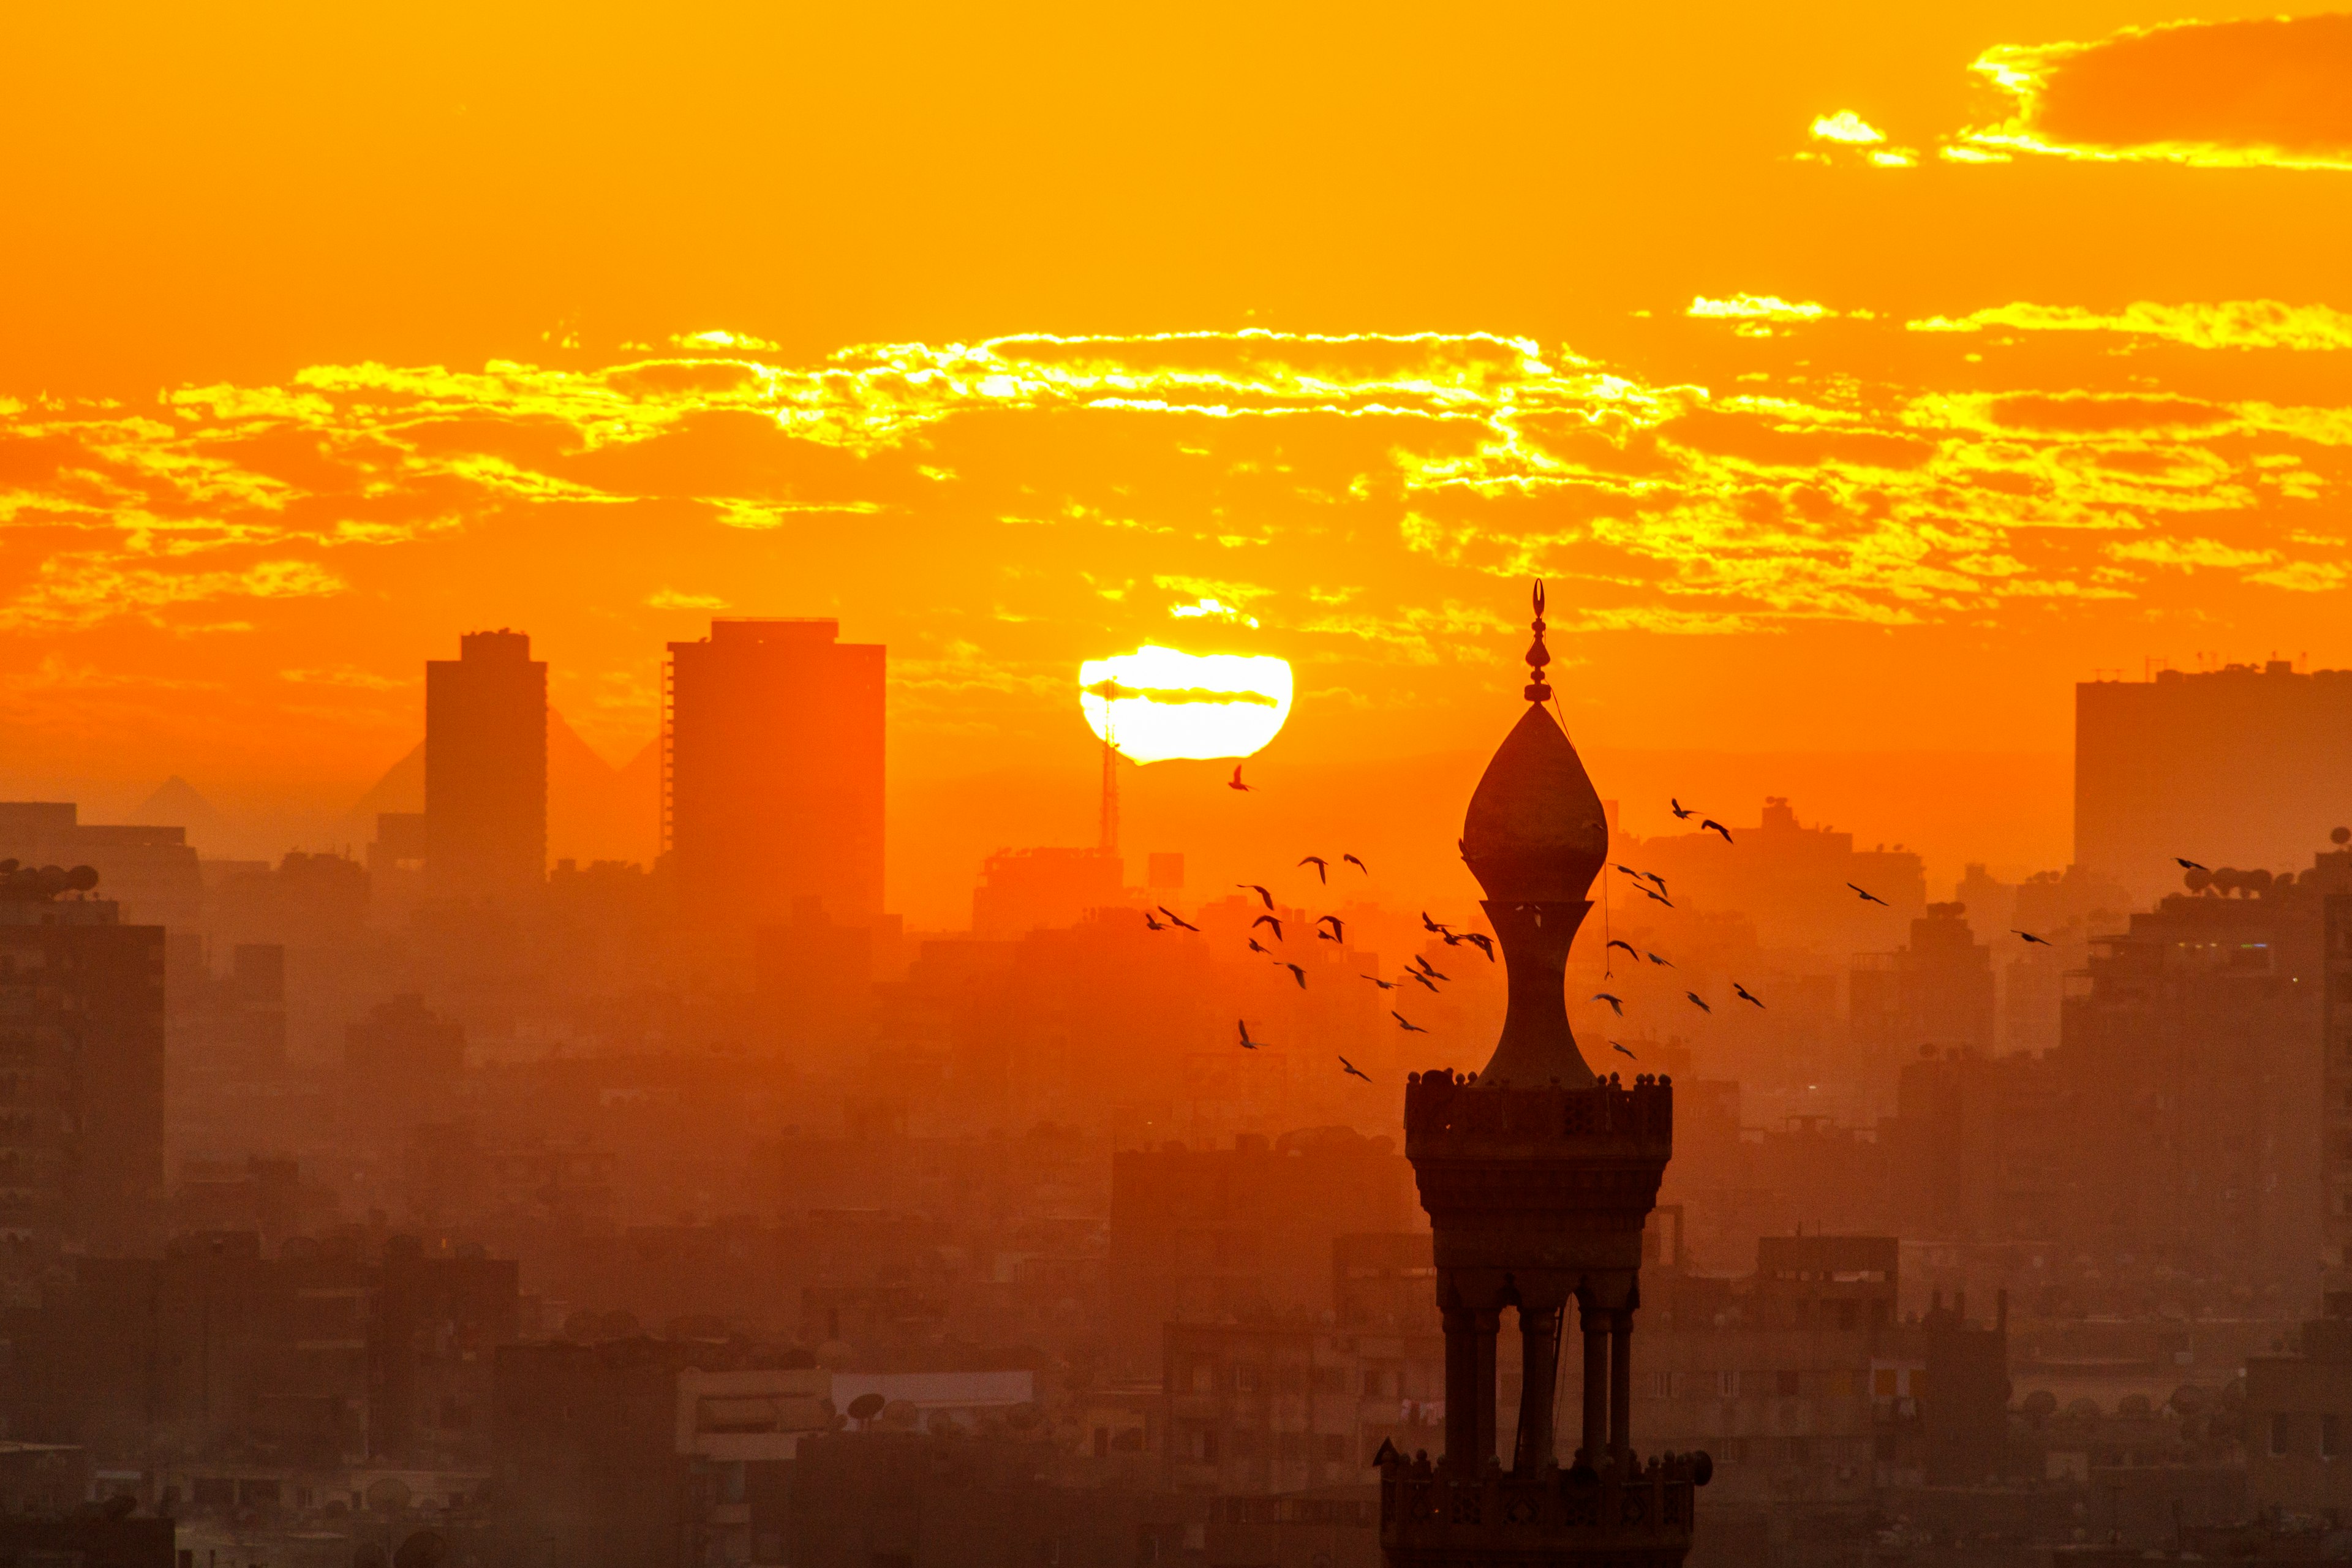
(595, 810)
(176, 804)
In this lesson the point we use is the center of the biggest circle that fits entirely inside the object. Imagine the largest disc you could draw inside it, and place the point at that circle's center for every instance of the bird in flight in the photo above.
(1384, 984)
(1709, 825)
(1482, 941)
(1682, 812)
(1248, 1044)
(1648, 894)
(1428, 924)
(1430, 969)
(1298, 973)
(1615, 1047)
(1654, 958)
(1616, 1003)
(1338, 927)
(1698, 1001)
(1661, 881)
(2037, 941)
(1870, 898)
(2188, 865)
(1619, 941)
(1261, 892)
(1631, 872)
(1431, 986)
(1743, 993)
(1407, 1025)
(1235, 782)
(1354, 1071)
(1153, 924)
(1359, 865)
(1257, 946)
(1178, 918)
(1268, 920)
(1320, 865)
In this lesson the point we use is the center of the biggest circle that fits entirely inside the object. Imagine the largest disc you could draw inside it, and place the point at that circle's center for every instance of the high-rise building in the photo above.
(2236, 765)
(1538, 1177)
(81, 1077)
(1939, 991)
(150, 873)
(485, 767)
(771, 777)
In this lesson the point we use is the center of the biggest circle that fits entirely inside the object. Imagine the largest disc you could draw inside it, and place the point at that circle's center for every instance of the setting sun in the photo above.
(1156, 703)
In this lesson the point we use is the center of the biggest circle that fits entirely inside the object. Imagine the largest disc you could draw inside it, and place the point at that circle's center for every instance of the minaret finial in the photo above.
(1537, 655)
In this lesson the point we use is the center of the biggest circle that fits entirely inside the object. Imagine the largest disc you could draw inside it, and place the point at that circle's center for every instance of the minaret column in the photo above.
(1595, 1322)
(1461, 1380)
(1621, 1383)
(1490, 1322)
(1539, 1331)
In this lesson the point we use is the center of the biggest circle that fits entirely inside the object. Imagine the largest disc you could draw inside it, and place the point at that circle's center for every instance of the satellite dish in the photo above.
(1702, 1467)
(866, 1407)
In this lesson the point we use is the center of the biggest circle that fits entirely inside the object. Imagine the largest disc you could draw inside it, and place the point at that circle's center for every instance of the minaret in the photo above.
(1537, 1176)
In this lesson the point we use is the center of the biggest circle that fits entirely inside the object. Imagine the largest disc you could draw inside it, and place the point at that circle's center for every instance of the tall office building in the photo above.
(81, 1077)
(771, 776)
(2236, 767)
(485, 767)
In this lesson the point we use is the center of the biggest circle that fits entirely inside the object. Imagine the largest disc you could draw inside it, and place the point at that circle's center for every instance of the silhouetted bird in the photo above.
(1619, 941)
(1354, 1071)
(1407, 1025)
(1178, 918)
(1661, 881)
(1682, 812)
(1339, 926)
(1298, 973)
(1631, 872)
(1653, 894)
(1427, 983)
(1428, 968)
(1616, 1003)
(1261, 892)
(1743, 993)
(1698, 1001)
(1869, 896)
(1257, 946)
(1615, 1047)
(1710, 824)
(2188, 865)
(1384, 984)
(1268, 920)
(1654, 958)
(2037, 941)
(1235, 783)
(1153, 924)
(1321, 867)
(1482, 941)
(1248, 1044)
(1428, 924)
(1359, 865)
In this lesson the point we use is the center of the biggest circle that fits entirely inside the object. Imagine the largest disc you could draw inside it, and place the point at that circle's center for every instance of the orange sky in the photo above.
(1004, 333)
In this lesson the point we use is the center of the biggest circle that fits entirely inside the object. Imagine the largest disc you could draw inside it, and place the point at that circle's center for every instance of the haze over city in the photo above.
(927, 787)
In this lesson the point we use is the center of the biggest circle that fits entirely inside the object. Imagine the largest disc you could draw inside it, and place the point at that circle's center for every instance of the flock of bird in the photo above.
(1331, 928)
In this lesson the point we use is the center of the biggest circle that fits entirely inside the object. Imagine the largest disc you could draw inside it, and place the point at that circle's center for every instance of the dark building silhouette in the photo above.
(150, 874)
(1790, 879)
(81, 1077)
(772, 772)
(1538, 1178)
(2238, 765)
(485, 767)
(1022, 890)
(1938, 991)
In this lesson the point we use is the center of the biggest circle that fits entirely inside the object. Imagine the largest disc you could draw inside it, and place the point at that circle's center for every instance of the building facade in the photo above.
(771, 777)
(486, 768)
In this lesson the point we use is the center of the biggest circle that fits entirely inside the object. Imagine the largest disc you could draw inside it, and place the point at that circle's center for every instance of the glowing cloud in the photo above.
(1846, 126)
(1160, 704)
(2226, 324)
(2262, 93)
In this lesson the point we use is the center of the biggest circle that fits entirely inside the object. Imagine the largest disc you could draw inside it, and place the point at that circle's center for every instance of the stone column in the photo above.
(1539, 1330)
(1595, 1321)
(1621, 1383)
(1460, 1384)
(1490, 1320)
